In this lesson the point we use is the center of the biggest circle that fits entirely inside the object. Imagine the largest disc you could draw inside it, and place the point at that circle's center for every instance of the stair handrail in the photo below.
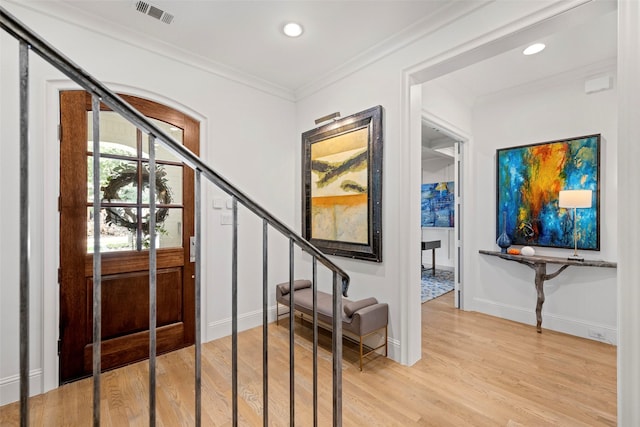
(30, 41)
(58, 60)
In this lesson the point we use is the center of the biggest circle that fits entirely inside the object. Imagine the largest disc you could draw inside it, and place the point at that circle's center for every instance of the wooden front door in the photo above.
(124, 236)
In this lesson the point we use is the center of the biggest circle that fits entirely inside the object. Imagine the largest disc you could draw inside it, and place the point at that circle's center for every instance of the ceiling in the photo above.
(572, 48)
(436, 145)
(245, 36)
(578, 50)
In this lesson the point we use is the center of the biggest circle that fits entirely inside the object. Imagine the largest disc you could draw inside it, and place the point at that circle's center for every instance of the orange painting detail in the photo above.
(339, 169)
(547, 162)
(354, 200)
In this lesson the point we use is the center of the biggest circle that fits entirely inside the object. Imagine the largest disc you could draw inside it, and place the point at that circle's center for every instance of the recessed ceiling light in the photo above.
(534, 48)
(292, 29)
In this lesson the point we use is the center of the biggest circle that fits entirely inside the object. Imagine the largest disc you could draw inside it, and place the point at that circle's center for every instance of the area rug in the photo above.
(435, 285)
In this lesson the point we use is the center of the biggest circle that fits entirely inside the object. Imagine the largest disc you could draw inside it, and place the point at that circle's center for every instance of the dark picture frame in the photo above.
(528, 181)
(342, 186)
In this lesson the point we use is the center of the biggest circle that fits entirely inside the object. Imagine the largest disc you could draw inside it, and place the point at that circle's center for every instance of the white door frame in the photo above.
(462, 138)
(51, 239)
(510, 36)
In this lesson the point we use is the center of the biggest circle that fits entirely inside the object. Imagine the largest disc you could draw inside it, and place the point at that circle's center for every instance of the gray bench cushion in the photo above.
(297, 284)
(353, 306)
(366, 316)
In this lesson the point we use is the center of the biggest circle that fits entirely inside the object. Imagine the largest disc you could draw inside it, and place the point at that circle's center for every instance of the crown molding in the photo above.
(440, 18)
(70, 15)
(584, 72)
(541, 22)
(444, 126)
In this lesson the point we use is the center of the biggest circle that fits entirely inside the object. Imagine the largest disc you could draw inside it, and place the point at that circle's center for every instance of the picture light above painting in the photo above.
(529, 181)
(342, 186)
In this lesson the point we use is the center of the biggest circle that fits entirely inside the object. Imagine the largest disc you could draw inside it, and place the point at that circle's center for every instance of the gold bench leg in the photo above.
(385, 345)
(386, 341)
(360, 353)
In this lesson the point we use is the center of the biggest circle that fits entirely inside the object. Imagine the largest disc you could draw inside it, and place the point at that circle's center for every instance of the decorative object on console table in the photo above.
(503, 240)
(528, 179)
(575, 199)
(528, 251)
(539, 265)
(342, 186)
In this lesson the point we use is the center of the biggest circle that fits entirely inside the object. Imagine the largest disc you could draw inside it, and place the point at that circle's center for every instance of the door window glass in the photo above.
(124, 187)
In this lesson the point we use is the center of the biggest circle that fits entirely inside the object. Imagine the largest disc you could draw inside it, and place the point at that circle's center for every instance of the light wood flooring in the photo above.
(476, 370)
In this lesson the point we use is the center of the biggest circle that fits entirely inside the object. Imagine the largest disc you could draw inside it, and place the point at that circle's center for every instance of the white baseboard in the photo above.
(222, 328)
(554, 322)
(10, 386)
(393, 347)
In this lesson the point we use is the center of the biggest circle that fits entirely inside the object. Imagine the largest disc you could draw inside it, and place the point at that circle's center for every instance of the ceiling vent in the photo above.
(154, 12)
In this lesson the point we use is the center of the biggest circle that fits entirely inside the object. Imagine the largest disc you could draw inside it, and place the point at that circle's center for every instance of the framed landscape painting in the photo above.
(342, 186)
(529, 180)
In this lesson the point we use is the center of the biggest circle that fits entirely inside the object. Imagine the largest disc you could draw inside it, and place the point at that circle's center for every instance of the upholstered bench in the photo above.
(360, 318)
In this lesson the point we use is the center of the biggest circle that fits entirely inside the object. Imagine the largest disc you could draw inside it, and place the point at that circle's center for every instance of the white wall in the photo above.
(579, 299)
(438, 170)
(247, 136)
(384, 82)
(396, 279)
(449, 110)
(629, 204)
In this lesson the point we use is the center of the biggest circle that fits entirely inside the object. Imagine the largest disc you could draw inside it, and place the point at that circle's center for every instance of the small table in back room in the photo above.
(433, 245)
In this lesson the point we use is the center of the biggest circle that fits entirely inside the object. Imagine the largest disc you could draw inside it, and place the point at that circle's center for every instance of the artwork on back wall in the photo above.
(529, 180)
(438, 204)
(342, 186)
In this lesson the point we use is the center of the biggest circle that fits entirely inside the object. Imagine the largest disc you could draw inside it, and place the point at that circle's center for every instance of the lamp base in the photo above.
(576, 258)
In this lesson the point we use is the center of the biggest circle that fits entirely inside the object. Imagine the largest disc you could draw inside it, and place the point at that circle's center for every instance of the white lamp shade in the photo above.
(575, 199)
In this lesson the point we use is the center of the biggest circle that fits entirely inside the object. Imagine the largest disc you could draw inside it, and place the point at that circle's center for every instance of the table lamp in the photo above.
(575, 199)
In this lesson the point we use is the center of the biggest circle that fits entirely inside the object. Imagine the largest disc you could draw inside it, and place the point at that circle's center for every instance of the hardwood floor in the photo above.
(476, 370)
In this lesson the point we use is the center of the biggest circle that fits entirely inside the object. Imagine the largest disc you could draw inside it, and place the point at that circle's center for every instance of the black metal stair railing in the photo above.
(29, 41)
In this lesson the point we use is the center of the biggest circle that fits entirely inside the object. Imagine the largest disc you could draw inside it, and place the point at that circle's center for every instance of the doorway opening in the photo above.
(468, 74)
(441, 205)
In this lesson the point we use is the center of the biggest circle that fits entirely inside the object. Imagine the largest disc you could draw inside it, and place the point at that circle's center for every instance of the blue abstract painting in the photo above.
(529, 180)
(438, 204)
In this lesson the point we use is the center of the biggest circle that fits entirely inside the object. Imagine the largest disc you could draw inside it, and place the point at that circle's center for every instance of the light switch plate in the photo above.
(218, 203)
(226, 219)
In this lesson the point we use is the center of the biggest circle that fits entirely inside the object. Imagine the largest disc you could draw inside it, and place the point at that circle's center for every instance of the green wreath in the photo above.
(124, 175)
